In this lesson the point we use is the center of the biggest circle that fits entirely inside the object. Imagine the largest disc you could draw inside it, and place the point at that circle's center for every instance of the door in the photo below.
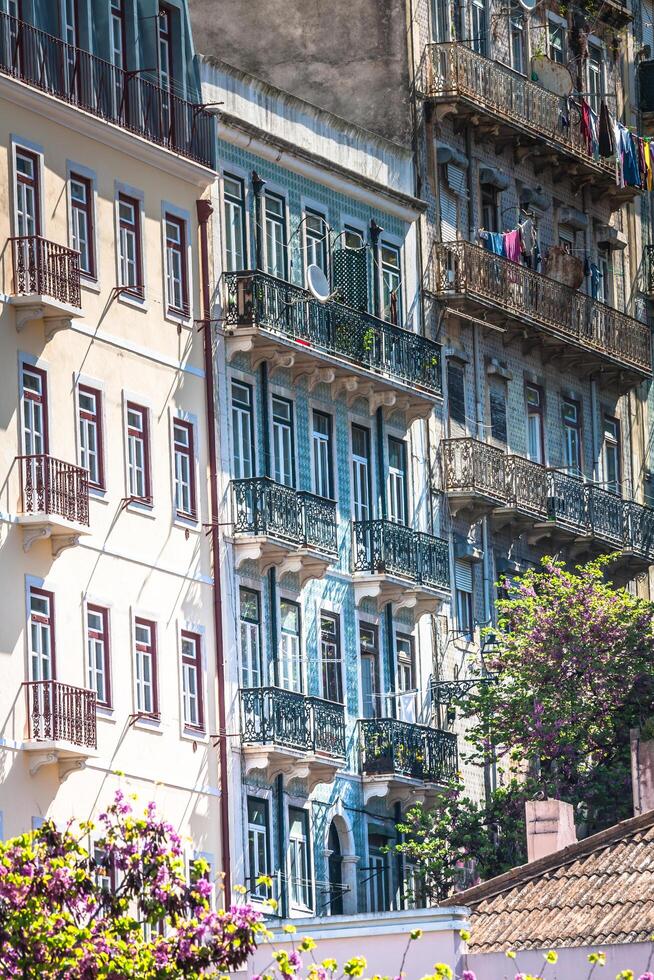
(290, 672)
(282, 433)
(242, 431)
(251, 673)
(612, 454)
(322, 454)
(42, 665)
(70, 35)
(571, 413)
(406, 680)
(335, 872)
(361, 481)
(28, 221)
(534, 405)
(397, 488)
(35, 437)
(369, 652)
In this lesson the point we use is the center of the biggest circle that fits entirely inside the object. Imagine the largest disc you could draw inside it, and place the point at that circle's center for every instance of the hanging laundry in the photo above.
(619, 154)
(594, 134)
(606, 132)
(528, 239)
(640, 145)
(648, 165)
(630, 171)
(493, 241)
(595, 277)
(586, 127)
(512, 245)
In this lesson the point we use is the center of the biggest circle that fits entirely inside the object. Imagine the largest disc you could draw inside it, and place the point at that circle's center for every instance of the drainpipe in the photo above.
(272, 592)
(204, 212)
(398, 856)
(375, 232)
(258, 184)
(381, 481)
(281, 842)
(265, 420)
(390, 658)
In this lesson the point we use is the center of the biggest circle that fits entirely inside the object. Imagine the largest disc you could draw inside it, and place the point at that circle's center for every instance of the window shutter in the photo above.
(498, 415)
(449, 216)
(463, 575)
(456, 179)
(350, 275)
(456, 393)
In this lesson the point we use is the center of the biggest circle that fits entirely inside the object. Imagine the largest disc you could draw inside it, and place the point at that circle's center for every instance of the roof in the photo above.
(597, 892)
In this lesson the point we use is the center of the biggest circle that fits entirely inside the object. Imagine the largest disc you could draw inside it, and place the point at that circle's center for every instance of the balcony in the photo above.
(46, 283)
(647, 271)
(126, 99)
(547, 505)
(506, 109)
(394, 563)
(61, 726)
(569, 327)
(289, 733)
(278, 526)
(354, 352)
(54, 501)
(402, 761)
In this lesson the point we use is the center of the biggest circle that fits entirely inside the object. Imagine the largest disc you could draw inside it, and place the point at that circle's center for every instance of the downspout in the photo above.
(281, 840)
(258, 184)
(375, 232)
(204, 212)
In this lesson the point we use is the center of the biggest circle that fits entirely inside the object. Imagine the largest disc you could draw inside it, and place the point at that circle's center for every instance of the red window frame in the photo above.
(180, 248)
(189, 452)
(103, 612)
(134, 226)
(196, 662)
(35, 590)
(35, 182)
(87, 209)
(152, 650)
(144, 435)
(42, 398)
(95, 417)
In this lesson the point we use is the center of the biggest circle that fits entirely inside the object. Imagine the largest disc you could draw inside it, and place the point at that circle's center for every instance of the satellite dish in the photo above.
(528, 5)
(318, 284)
(552, 76)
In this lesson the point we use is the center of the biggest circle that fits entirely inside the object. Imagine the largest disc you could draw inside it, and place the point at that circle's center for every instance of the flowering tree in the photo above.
(69, 914)
(574, 665)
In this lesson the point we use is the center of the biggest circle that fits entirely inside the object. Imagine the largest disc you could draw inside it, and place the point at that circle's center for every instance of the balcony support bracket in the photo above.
(273, 761)
(60, 542)
(383, 589)
(33, 533)
(42, 759)
(53, 324)
(26, 314)
(398, 789)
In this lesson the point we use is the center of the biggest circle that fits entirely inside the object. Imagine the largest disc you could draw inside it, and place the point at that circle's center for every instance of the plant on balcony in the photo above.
(71, 911)
(573, 657)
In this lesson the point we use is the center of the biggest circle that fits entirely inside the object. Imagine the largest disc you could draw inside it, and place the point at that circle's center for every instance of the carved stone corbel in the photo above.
(32, 534)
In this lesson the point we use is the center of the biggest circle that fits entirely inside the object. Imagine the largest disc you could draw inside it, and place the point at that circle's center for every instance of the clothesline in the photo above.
(604, 136)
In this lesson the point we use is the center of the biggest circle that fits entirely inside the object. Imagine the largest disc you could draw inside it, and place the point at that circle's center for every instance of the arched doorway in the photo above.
(335, 862)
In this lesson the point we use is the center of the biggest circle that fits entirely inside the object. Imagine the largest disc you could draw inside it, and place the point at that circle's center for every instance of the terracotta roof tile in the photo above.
(598, 891)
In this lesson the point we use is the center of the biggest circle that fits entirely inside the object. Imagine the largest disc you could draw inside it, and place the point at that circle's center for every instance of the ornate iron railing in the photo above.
(61, 712)
(648, 268)
(474, 467)
(454, 71)
(567, 501)
(464, 269)
(126, 98)
(261, 506)
(639, 529)
(384, 546)
(43, 268)
(272, 715)
(526, 486)
(50, 486)
(355, 336)
(606, 515)
(389, 747)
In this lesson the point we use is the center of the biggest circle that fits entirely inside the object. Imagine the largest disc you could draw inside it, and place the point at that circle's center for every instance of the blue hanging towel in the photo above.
(493, 241)
(630, 168)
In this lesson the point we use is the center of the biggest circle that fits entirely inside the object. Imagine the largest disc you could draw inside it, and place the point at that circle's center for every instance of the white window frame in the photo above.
(277, 392)
(19, 143)
(192, 421)
(86, 381)
(319, 443)
(283, 665)
(279, 192)
(89, 281)
(235, 173)
(307, 884)
(265, 800)
(184, 217)
(194, 734)
(140, 302)
(314, 209)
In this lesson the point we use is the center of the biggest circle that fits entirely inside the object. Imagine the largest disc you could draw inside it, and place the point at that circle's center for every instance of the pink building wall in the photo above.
(572, 963)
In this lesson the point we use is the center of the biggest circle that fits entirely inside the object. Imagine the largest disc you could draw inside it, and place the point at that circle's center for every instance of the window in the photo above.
(42, 642)
(184, 452)
(282, 431)
(330, 656)
(250, 615)
(440, 21)
(464, 607)
(397, 480)
(35, 411)
(595, 86)
(361, 476)
(612, 454)
(235, 234)
(129, 228)
(165, 64)
(322, 454)
(118, 47)
(290, 655)
(81, 203)
(69, 34)
(378, 887)
(89, 404)
(391, 283)
(567, 240)
(478, 26)
(28, 210)
(315, 231)
(299, 869)
(97, 646)
(147, 698)
(369, 652)
(138, 453)
(258, 847)
(275, 225)
(556, 30)
(456, 393)
(571, 417)
(192, 681)
(242, 431)
(406, 686)
(602, 279)
(517, 30)
(489, 207)
(497, 400)
(353, 239)
(176, 266)
(534, 404)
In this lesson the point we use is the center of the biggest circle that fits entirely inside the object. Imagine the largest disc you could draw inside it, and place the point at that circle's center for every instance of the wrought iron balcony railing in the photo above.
(262, 507)
(648, 269)
(48, 486)
(125, 98)
(61, 712)
(526, 486)
(351, 335)
(288, 719)
(454, 71)
(389, 747)
(43, 268)
(464, 269)
(474, 467)
(384, 546)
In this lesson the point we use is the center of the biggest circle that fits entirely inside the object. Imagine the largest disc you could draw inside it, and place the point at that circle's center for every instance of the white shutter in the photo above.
(449, 216)
(463, 575)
